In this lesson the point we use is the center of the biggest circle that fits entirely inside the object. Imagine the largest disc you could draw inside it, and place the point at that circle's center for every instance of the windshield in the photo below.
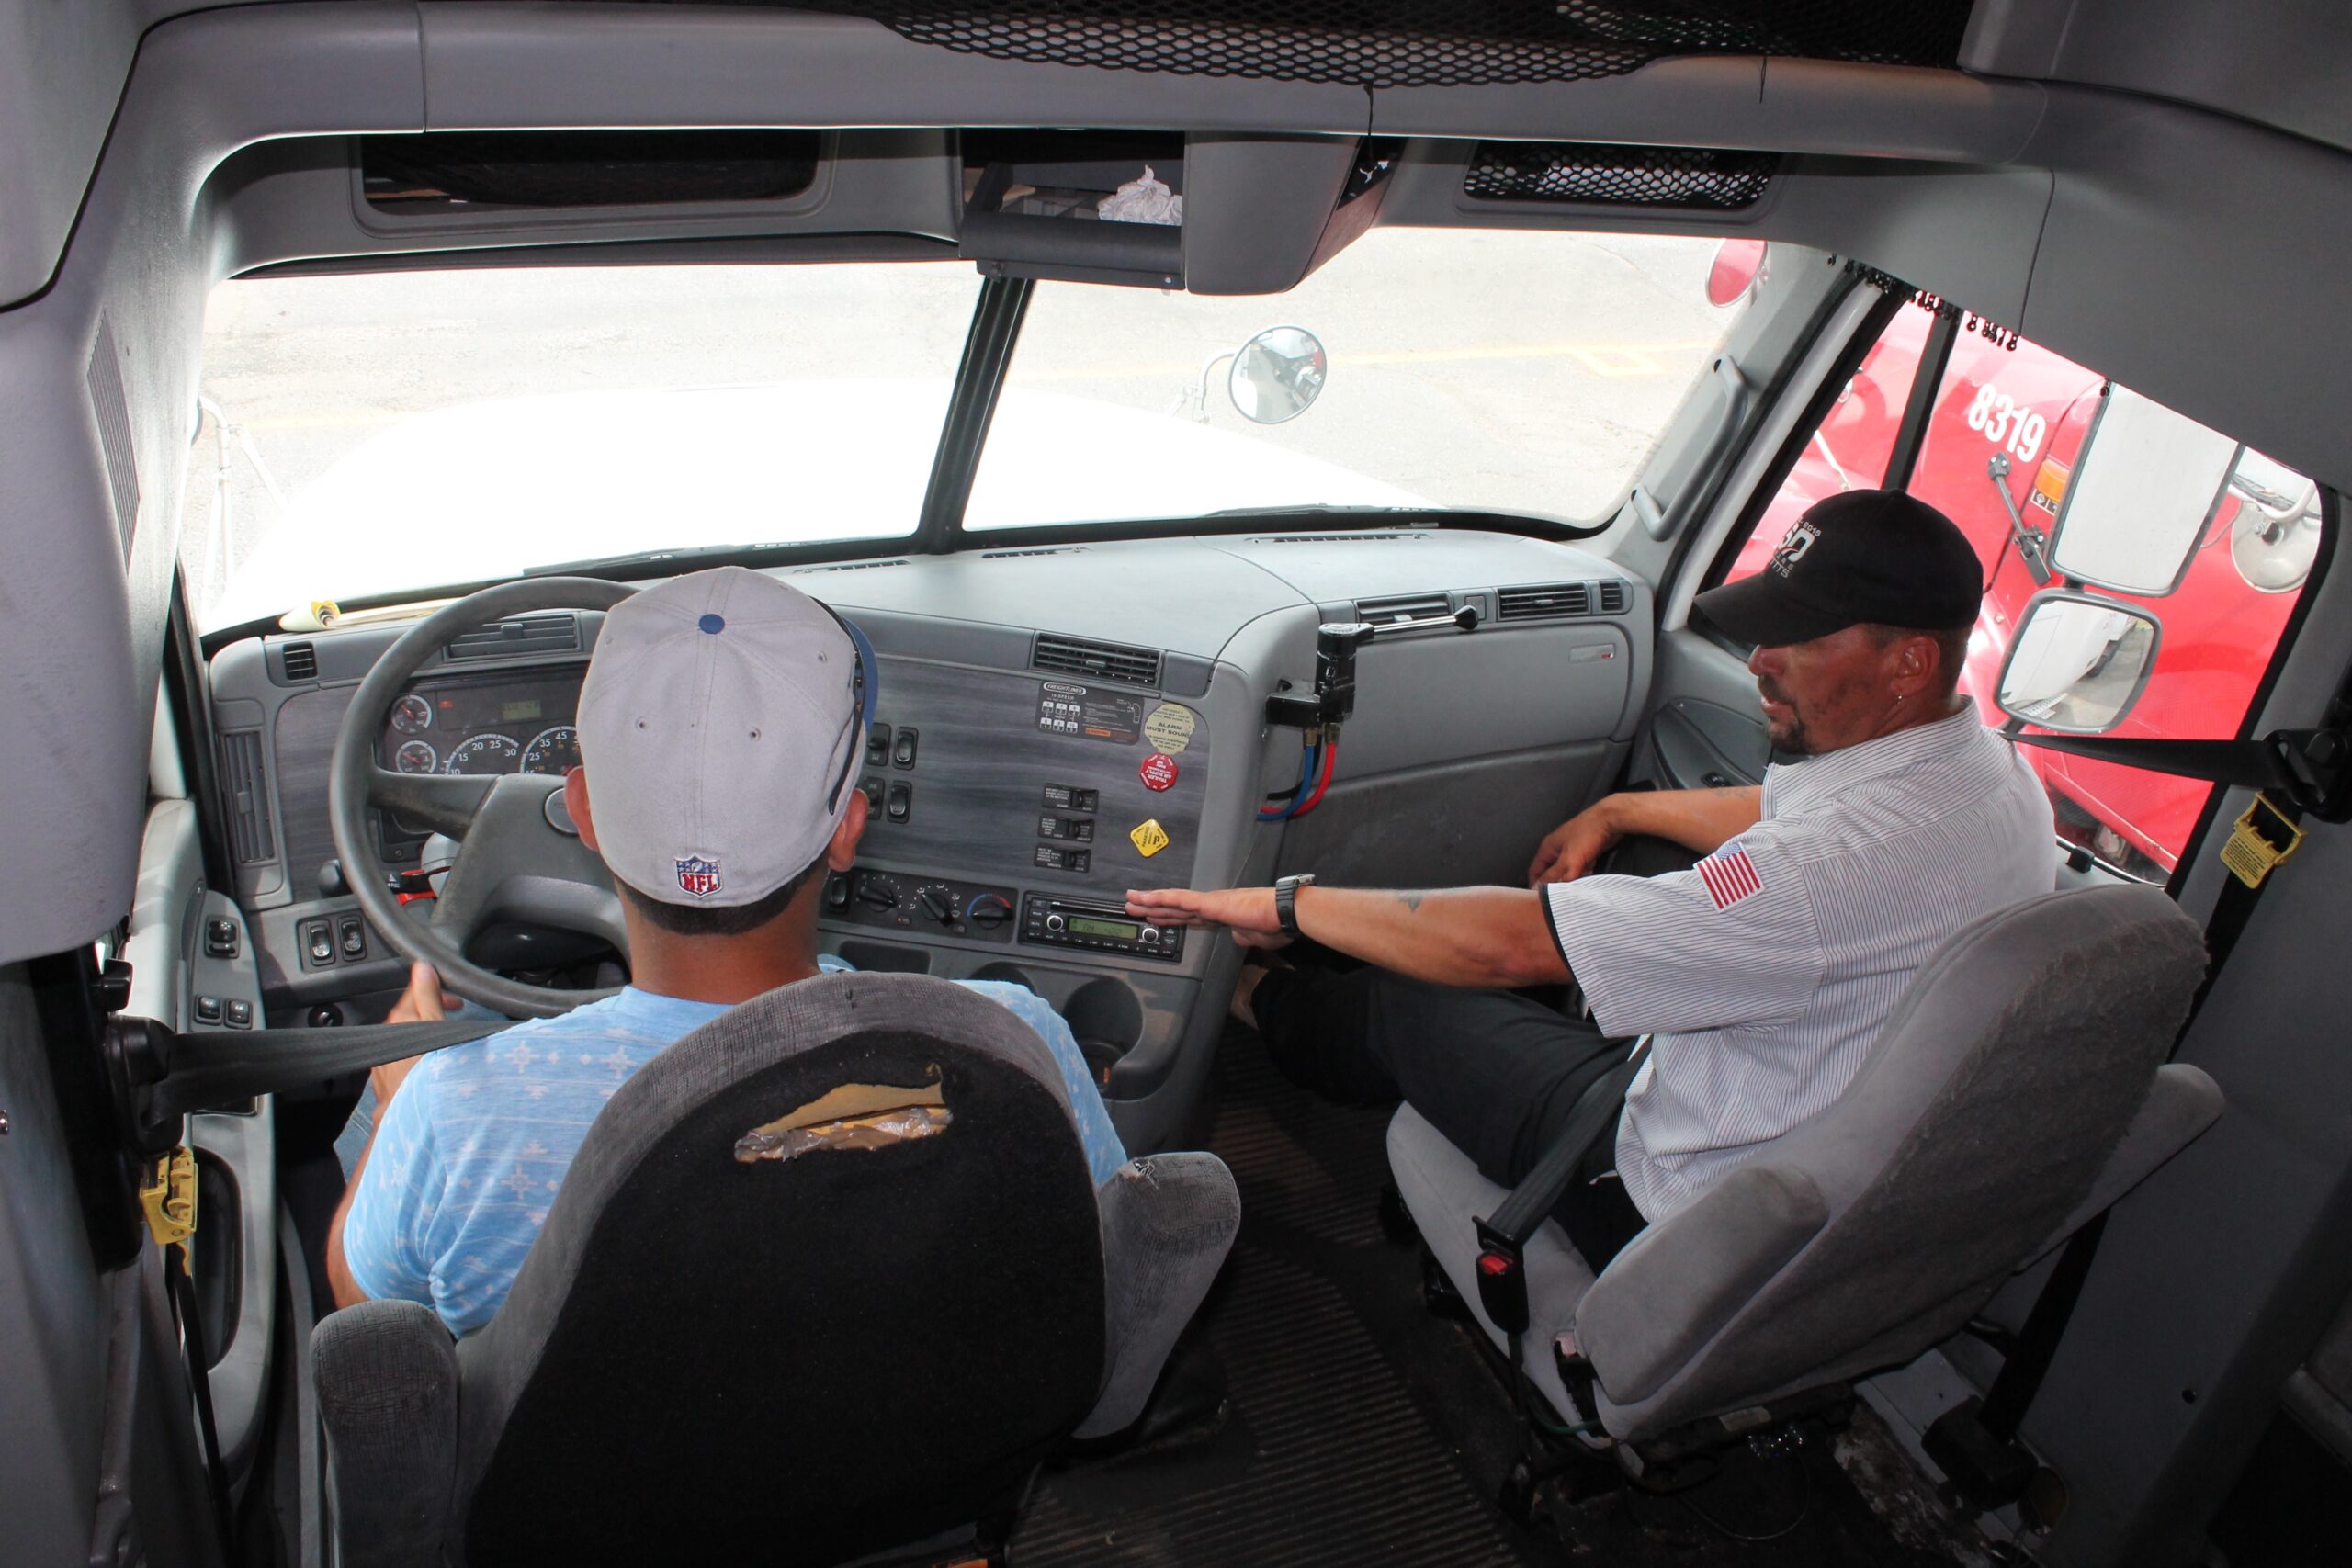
(373, 434)
(380, 434)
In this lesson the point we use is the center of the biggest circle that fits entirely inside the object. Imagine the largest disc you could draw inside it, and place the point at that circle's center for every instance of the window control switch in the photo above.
(208, 1009)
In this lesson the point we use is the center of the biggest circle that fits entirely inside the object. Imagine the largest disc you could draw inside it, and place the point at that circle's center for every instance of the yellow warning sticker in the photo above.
(1149, 837)
(1169, 727)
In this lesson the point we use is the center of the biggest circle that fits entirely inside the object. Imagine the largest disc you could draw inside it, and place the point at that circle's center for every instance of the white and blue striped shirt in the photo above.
(1764, 976)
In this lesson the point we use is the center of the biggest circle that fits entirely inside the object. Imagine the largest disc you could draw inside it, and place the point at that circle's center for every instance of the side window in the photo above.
(2003, 439)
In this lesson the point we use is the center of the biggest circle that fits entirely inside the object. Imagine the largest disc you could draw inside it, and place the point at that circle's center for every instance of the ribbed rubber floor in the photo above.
(1327, 1455)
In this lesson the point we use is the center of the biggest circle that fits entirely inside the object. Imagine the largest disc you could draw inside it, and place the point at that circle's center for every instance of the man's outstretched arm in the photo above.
(1463, 936)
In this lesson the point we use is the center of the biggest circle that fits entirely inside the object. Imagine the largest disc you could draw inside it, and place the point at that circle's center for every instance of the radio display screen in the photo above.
(1122, 930)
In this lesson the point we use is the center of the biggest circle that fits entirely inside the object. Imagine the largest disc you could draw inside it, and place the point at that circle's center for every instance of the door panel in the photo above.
(1704, 728)
(234, 1250)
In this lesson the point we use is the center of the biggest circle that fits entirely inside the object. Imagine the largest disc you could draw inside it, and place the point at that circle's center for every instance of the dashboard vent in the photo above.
(551, 631)
(1386, 537)
(1546, 602)
(1615, 598)
(248, 796)
(1392, 608)
(1097, 660)
(301, 661)
(1033, 551)
(849, 566)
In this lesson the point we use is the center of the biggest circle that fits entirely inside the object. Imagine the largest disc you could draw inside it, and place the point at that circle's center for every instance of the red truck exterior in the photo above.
(2034, 407)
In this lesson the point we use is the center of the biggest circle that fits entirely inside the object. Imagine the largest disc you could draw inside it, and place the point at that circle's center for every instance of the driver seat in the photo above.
(859, 1351)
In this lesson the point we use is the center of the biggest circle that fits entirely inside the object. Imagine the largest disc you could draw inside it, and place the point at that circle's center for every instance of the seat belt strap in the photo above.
(1502, 1235)
(163, 1075)
(2310, 769)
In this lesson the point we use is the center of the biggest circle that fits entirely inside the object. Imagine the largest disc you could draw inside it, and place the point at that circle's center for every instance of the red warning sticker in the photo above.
(1158, 770)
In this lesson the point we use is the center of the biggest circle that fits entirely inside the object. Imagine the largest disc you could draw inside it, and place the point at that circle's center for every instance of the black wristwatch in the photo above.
(1286, 893)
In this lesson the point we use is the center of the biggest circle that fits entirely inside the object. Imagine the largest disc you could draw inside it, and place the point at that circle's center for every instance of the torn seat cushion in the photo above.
(870, 1345)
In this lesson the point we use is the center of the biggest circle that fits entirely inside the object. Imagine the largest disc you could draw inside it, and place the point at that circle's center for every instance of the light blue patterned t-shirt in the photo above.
(469, 1154)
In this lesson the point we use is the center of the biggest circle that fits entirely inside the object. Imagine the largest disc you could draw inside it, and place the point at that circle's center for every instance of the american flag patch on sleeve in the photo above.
(1730, 876)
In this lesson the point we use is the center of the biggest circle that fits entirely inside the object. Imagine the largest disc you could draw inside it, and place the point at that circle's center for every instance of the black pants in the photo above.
(1498, 1073)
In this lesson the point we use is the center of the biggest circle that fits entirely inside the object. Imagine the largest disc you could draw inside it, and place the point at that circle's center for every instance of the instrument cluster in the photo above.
(506, 724)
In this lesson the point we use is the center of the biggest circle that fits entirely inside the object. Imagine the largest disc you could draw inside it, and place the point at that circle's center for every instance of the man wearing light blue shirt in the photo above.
(721, 720)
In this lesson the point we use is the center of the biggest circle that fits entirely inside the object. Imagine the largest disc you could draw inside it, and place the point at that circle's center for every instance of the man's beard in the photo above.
(1788, 735)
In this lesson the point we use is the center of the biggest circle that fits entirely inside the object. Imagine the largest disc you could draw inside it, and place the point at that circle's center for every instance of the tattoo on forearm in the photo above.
(1411, 900)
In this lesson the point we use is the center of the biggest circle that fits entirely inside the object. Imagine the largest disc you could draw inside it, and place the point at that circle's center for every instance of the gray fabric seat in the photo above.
(2017, 1089)
(815, 1359)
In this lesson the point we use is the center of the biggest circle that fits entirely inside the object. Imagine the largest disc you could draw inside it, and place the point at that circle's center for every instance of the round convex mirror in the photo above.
(1277, 375)
(2078, 663)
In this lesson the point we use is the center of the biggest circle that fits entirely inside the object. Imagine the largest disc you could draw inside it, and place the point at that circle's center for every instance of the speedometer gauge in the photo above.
(555, 750)
(483, 754)
(416, 757)
(411, 714)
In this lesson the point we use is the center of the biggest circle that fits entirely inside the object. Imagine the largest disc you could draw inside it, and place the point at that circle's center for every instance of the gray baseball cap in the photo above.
(716, 725)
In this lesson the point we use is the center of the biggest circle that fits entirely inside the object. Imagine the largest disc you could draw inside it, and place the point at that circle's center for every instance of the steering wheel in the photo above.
(519, 857)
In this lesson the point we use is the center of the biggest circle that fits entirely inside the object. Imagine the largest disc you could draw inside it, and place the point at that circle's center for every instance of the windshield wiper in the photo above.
(700, 553)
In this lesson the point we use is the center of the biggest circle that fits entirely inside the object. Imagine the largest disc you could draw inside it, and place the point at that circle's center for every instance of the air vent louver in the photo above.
(1390, 608)
(551, 631)
(851, 566)
(248, 796)
(1386, 537)
(1615, 598)
(1095, 660)
(301, 661)
(1033, 551)
(1551, 600)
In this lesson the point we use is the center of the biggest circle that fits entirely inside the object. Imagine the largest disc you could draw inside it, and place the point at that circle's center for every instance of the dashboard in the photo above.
(1054, 727)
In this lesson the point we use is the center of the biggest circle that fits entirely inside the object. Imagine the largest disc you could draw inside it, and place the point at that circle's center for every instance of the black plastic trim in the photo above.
(979, 381)
(1926, 382)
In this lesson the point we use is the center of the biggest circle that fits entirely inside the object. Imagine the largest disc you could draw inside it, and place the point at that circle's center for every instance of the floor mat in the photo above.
(1359, 1428)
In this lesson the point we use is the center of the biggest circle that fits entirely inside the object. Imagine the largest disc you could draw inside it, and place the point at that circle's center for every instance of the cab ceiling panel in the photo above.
(2279, 63)
(62, 70)
(493, 66)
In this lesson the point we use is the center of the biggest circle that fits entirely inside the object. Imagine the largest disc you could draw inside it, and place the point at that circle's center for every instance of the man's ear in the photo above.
(1914, 664)
(575, 801)
(841, 852)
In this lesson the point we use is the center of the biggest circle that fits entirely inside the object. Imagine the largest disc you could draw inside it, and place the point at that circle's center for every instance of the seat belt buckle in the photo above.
(2260, 842)
(167, 1197)
(1502, 1280)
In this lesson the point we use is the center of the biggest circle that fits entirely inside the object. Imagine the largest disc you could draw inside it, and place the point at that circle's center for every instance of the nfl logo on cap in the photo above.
(698, 876)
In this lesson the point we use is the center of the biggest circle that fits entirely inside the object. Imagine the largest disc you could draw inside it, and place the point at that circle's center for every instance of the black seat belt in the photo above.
(1502, 1235)
(160, 1076)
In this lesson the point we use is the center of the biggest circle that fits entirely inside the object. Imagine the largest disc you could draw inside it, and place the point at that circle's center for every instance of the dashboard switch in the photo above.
(318, 944)
(208, 1009)
(902, 750)
(877, 745)
(837, 892)
(220, 937)
(351, 936)
(238, 1012)
(900, 804)
(872, 790)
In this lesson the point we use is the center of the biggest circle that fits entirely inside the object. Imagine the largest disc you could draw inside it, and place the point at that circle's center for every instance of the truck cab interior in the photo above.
(1250, 439)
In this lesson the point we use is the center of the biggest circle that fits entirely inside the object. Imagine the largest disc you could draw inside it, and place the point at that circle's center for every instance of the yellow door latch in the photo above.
(168, 1195)
(2261, 839)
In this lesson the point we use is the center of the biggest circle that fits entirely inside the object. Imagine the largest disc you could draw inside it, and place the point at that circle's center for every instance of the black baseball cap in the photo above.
(1876, 555)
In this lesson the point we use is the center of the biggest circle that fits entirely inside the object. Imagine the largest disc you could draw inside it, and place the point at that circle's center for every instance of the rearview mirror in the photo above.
(1277, 375)
(2145, 484)
(2077, 663)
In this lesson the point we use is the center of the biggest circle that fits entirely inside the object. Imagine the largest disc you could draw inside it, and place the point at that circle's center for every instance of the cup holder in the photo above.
(1010, 974)
(1107, 1018)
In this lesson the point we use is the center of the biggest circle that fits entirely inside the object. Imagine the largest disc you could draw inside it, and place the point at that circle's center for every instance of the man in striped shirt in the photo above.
(1763, 974)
